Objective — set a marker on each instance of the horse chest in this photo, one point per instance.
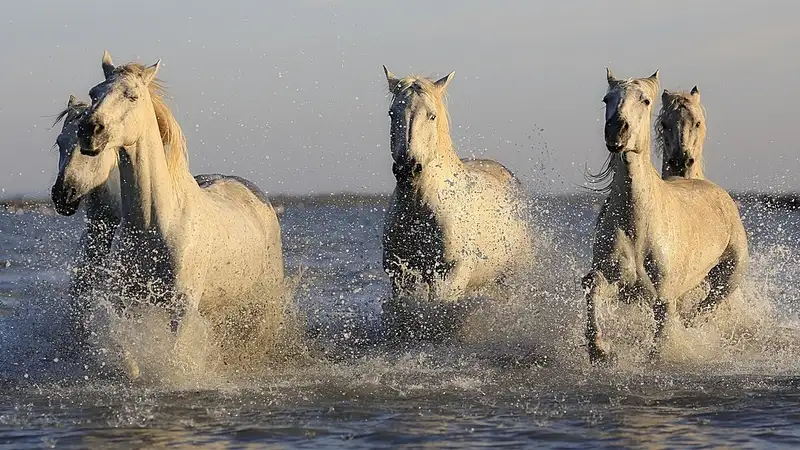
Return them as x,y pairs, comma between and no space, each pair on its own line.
633,260
413,239
146,258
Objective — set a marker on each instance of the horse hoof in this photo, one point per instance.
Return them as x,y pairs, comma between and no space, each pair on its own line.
600,354
132,368
603,359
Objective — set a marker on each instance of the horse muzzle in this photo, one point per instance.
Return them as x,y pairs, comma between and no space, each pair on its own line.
65,200
92,137
617,134
615,147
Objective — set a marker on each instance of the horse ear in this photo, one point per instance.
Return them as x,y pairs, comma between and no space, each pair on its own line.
654,76
150,73
391,79
610,76
72,100
665,94
108,65
442,83
695,91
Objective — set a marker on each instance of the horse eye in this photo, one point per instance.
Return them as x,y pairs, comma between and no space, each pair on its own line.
131,96
432,117
647,102
697,125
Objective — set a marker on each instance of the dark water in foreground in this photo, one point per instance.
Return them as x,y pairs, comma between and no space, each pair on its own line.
517,376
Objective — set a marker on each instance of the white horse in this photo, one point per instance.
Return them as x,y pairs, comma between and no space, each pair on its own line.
208,250
453,225
680,134
656,239
93,182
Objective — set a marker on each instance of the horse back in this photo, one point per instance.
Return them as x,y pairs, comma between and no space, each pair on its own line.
700,196
207,180
492,168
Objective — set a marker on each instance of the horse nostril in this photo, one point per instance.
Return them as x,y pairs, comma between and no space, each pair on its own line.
690,162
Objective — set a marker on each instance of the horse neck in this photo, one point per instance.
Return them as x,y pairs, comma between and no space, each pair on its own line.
441,174
635,180
105,201
103,205
665,167
696,171
151,195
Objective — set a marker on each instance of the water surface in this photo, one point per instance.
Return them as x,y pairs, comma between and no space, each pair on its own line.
516,375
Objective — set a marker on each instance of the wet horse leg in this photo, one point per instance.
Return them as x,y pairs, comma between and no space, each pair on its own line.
394,312
661,313
595,285
723,279
651,285
454,285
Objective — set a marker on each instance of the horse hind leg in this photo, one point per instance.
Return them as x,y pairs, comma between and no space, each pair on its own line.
594,285
723,279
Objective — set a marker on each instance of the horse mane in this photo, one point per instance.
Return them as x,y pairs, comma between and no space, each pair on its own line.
71,112
424,86
647,83
171,133
673,101
605,176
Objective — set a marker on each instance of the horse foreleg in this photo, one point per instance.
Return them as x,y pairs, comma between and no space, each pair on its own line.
662,311
723,279
394,312
184,302
454,285
594,284
95,245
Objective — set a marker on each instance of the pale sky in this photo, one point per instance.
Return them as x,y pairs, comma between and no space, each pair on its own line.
291,94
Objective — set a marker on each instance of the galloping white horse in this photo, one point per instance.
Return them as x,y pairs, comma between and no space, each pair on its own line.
656,239
454,225
210,249
680,134
93,182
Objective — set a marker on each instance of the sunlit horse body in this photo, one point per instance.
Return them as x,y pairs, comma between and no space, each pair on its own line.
680,134
453,225
93,182
200,249
656,239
